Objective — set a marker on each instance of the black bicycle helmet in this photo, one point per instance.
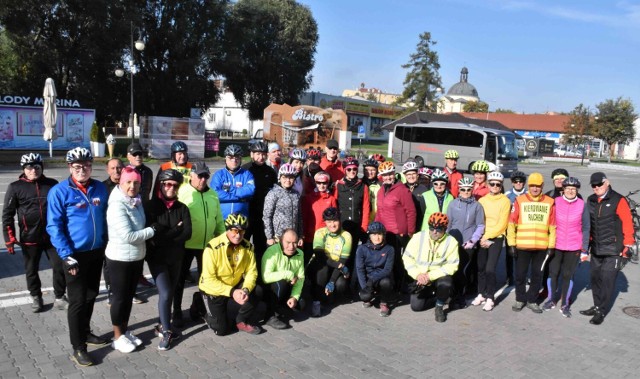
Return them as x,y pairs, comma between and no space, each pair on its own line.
519,175
259,147
376,228
571,182
170,174
331,214
559,171
179,147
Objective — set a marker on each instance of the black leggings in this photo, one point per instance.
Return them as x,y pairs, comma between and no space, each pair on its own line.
124,280
487,262
565,261
467,271
32,255
189,254
166,276
399,273
320,275
383,287
441,287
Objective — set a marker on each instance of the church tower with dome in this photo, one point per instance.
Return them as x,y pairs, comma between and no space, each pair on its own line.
458,95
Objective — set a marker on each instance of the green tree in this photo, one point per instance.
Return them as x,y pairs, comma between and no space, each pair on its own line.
270,47
8,62
615,122
423,79
500,110
476,106
579,129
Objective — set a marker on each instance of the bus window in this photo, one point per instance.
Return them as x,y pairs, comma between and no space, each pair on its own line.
490,152
507,148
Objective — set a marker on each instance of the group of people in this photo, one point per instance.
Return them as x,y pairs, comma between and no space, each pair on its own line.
303,234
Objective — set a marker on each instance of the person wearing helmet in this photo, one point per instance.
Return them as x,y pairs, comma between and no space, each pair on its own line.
165,251
370,178
206,223
450,168
229,274
612,238
274,156
283,276
572,242
264,178
353,202
397,212
179,162
297,158
282,207
328,269
313,204
518,180
425,176
311,168
378,158
410,172
135,155
76,223
431,259
27,199
330,162
496,212
480,169
558,176
374,269
438,198
466,225
234,185
314,156
531,235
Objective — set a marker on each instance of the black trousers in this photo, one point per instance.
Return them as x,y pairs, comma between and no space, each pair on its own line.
189,254
487,262
166,276
467,274
383,287
82,290
216,308
32,255
564,262
604,272
255,232
276,296
526,259
320,274
124,278
441,287
399,273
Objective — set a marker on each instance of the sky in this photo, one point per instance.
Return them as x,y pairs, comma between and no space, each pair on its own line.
524,55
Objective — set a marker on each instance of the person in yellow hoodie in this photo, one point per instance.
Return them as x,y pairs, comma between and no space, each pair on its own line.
496,207
531,236
431,258
229,272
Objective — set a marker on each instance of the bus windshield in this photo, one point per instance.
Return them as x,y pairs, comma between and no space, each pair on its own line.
507,148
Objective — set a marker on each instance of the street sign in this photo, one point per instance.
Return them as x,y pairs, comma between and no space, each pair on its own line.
532,145
361,132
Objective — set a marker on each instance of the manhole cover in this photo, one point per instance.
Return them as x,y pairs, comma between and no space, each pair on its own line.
632,311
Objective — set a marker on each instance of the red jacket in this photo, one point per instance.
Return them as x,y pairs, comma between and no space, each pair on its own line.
452,184
396,209
313,204
334,169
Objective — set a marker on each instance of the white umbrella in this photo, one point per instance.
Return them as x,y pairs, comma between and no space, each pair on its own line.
50,113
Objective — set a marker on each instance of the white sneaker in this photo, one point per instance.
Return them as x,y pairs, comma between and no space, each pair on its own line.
134,340
316,309
478,300
123,345
488,305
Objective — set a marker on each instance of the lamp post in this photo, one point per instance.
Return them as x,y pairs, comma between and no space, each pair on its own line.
139,45
586,136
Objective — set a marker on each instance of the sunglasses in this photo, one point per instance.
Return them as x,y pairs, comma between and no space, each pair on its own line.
465,189
170,185
351,169
33,167
236,231
597,185
322,183
332,148
234,157
517,181
494,184
204,176
438,184
439,230
136,154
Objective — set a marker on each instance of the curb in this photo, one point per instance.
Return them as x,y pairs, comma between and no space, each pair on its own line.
611,166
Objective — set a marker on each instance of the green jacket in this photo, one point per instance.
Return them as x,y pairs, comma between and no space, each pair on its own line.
206,215
432,206
276,266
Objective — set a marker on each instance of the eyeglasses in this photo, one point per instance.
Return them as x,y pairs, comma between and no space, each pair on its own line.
234,157
33,167
438,229
351,169
494,184
465,189
170,185
597,185
236,231
78,168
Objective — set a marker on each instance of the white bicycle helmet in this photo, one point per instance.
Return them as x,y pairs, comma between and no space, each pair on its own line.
79,154
409,166
31,159
495,175
287,169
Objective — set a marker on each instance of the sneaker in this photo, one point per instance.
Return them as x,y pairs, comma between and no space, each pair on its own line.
123,345
61,303
82,358
384,310
276,323
135,340
143,281
517,306
165,341
244,327
137,299
158,330
566,312
366,304
36,304
478,300
548,305
488,305
177,320
535,308
440,315
316,309
94,340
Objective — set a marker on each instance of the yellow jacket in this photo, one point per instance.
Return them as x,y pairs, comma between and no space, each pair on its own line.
532,223
218,277
496,214
437,258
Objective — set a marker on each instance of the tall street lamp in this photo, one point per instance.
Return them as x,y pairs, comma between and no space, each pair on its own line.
139,45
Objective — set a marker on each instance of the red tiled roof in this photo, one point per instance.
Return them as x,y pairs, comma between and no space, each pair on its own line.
528,122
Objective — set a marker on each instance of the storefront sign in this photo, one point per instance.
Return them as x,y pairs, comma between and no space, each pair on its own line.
36,101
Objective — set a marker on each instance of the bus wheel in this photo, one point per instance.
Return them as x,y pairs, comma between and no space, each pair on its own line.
419,160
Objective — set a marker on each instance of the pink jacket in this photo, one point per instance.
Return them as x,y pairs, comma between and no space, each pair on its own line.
396,210
572,224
